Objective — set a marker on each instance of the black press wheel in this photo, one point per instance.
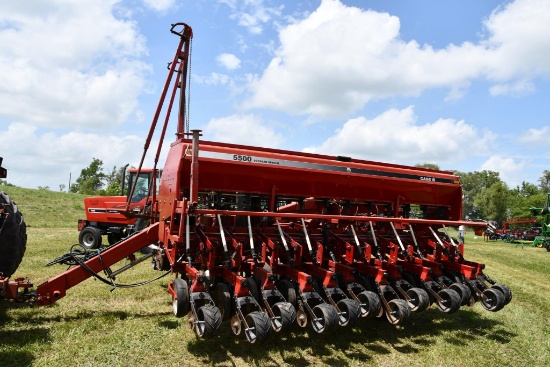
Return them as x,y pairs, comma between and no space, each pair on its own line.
90,238
492,300
222,298
507,292
287,290
450,301
419,299
259,327
370,304
208,322
463,291
326,318
284,316
399,311
181,303
350,310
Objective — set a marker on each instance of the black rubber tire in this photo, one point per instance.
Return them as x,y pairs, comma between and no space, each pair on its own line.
222,299
180,304
287,290
90,238
493,300
451,301
209,321
13,236
326,318
285,316
370,304
463,291
259,327
350,310
113,238
507,292
253,288
399,311
419,299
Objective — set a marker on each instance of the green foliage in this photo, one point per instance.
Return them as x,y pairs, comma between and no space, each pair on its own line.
428,165
494,201
544,182
92,180
473,184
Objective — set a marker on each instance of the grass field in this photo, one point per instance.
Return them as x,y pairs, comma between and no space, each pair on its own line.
93,326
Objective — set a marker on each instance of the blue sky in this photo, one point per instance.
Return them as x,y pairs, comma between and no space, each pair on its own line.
462,84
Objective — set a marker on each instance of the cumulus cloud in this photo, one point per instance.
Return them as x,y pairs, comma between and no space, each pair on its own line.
243,129
252,14
228,61
536,136
66,63
395,136
509,170
53,156
160,5
339,58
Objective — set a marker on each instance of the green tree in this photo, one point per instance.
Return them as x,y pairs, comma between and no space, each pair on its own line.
473,185
544,182
494,201
91,179
428,165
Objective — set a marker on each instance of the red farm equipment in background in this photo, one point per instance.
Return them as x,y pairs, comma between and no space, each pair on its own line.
104,214
267,239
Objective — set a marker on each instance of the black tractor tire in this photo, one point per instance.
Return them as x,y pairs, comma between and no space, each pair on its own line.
90,238
13,236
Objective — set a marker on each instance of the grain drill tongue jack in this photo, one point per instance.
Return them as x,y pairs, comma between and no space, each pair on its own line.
267,239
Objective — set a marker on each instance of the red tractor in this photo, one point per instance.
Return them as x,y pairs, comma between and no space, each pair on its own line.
267,239
104,213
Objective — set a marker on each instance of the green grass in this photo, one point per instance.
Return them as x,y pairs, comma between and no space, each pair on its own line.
92,326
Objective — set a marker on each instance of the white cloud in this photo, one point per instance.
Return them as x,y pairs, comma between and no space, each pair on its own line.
509,170
396,137
243,129
212,79
160,5
340,58
252,14
229,61
53,156
66,63
539,137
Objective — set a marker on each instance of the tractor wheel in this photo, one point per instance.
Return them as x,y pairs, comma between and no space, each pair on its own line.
13,236
113,238
285,316
326,318
420,300
90,238
209,320
450,301
349,311
463,291
370,304
181,303
288,291
492,300
259,327
222,298
399,311
507,292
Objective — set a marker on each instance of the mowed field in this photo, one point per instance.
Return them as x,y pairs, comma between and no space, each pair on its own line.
97,326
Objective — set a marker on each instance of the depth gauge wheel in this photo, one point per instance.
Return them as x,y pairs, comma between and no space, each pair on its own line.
326,318
285,316
420,300
492,300
349,311
370,304
463,291
222,299
288,291
13,236
181,303
505,291
450,301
